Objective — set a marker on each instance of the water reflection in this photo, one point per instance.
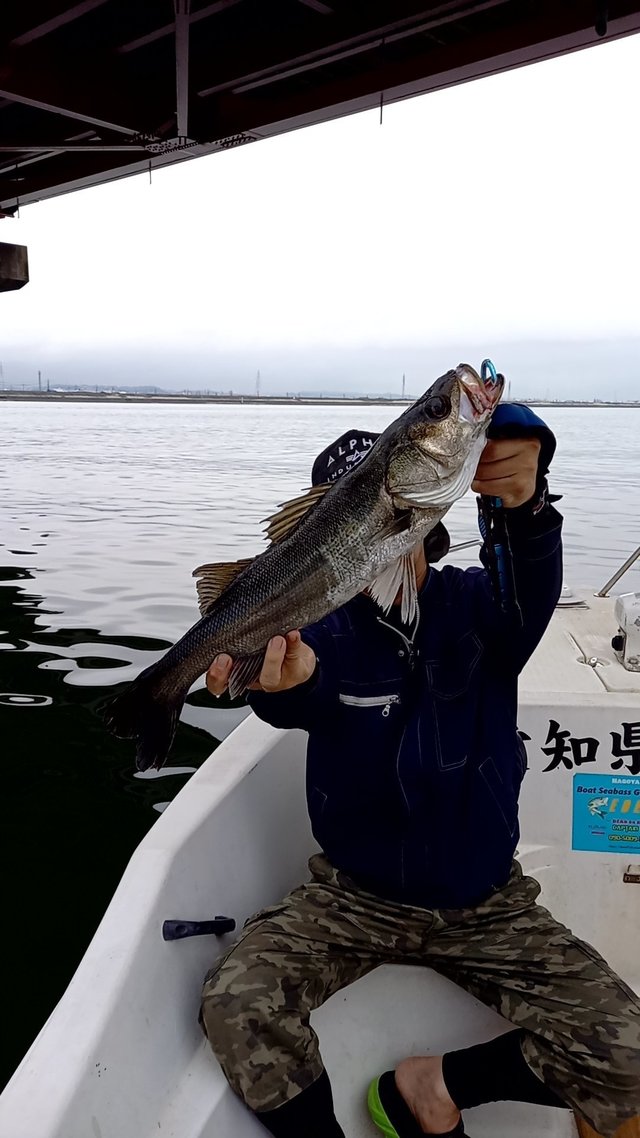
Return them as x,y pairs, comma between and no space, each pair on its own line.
12,700
74,809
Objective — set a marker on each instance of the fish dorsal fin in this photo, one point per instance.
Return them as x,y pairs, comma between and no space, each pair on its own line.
215,578
280,524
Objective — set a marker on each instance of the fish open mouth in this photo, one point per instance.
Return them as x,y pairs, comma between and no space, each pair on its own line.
478,398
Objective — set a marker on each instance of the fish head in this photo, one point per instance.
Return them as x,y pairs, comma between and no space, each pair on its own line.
440,439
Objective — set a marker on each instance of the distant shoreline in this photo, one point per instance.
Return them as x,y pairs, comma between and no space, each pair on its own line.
114,397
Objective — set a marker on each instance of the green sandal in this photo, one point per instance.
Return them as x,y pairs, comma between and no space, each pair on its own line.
391,1114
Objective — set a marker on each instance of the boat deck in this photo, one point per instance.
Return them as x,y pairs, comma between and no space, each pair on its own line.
575,657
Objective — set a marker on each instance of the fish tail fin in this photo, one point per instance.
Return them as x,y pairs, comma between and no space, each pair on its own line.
144,714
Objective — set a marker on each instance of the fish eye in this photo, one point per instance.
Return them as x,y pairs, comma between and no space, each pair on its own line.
439,406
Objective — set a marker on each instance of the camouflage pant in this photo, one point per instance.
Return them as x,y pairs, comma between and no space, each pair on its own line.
581,1022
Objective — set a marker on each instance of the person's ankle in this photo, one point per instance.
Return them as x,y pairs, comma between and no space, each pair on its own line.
421,1084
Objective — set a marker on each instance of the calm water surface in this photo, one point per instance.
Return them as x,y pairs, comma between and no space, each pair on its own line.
105,511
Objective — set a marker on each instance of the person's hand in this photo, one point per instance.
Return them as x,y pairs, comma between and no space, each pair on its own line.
508,469
288,662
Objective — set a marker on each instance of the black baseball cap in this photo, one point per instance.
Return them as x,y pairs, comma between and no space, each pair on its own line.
344,455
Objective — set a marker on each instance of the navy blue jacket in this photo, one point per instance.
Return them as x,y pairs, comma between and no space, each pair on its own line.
414,763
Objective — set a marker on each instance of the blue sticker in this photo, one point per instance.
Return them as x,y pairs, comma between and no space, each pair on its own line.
606,813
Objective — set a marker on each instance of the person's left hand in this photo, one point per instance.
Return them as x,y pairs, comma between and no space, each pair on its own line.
508,469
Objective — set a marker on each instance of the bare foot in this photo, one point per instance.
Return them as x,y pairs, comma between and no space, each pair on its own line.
423,1088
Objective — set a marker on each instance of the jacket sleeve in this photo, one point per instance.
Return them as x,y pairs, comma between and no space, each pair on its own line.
534,536
536,550
304,705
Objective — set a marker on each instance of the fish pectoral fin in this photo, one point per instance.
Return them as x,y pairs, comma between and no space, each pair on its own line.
244,672
279,525
215,578
400,523
401,574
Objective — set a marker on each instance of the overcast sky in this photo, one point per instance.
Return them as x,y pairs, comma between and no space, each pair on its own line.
499,211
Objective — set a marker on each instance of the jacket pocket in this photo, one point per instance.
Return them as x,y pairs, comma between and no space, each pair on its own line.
523,759
450,677
449,681
317,800
383,702
504,796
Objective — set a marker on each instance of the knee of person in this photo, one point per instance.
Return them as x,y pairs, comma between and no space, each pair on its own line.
623,1073
619,1075
224,1007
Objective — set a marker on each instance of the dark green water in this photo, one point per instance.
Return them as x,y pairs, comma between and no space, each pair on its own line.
73,812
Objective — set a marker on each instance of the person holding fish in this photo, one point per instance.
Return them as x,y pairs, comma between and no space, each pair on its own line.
405,678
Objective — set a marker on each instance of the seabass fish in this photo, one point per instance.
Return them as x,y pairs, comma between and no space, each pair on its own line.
326,547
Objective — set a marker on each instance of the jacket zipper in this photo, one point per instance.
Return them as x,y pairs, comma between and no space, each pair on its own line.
411,657
383,701
408,643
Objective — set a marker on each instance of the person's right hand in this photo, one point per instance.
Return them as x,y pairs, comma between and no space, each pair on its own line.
288,662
